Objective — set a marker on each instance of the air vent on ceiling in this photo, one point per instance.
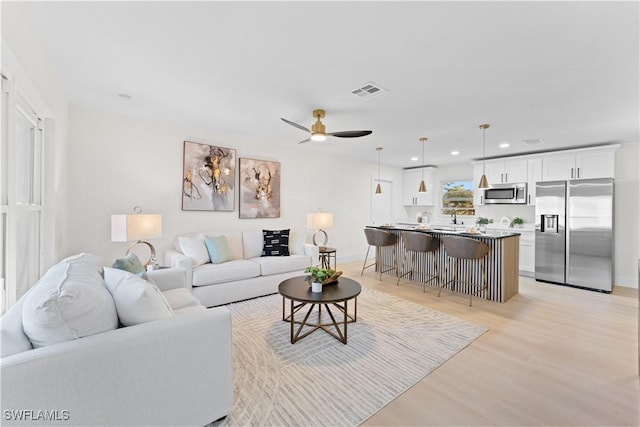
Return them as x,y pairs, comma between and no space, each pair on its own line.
368,90
532,141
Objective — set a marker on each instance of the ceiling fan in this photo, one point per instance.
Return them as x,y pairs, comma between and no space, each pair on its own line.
318,131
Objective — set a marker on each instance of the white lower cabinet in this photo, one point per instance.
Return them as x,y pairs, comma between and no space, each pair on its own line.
527,252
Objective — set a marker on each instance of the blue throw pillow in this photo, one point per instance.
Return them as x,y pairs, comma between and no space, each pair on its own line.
218,249
275,242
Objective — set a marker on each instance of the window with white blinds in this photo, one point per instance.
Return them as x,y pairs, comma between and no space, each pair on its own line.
21,184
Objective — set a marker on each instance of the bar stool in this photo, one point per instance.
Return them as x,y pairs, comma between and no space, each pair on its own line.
472,250
380,239
414,243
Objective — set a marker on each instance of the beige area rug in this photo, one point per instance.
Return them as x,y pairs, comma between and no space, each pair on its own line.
319,381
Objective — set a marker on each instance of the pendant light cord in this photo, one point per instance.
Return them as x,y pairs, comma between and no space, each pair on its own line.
423,159
484,142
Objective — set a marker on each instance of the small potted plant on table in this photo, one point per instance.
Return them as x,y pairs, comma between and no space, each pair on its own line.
319,276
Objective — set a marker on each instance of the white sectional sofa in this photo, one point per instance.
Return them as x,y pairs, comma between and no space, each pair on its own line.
248,274
168,372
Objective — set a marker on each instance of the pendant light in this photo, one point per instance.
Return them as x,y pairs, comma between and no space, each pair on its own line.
483,179
423,187
378,189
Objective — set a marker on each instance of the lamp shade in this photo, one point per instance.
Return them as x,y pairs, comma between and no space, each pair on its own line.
319,220
125,228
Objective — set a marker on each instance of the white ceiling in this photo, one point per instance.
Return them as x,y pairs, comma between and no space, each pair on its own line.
567,72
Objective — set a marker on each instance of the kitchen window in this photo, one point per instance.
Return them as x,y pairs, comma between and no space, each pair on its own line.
457,197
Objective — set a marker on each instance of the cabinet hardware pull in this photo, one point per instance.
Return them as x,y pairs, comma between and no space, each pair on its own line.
571,172
578,174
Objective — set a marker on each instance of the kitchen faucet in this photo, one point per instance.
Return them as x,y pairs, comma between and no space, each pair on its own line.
454,219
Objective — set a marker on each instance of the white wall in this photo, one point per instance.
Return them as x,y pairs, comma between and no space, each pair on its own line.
627,214
118,162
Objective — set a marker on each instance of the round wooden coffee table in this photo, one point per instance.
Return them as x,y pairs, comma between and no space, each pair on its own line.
298,291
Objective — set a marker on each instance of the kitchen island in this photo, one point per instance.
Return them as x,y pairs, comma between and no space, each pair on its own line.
502,260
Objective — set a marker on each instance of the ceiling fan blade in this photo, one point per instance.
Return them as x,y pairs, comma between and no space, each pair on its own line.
351,133
295,124
304,140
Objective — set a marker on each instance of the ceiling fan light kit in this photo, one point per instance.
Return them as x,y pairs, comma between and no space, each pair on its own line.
319,133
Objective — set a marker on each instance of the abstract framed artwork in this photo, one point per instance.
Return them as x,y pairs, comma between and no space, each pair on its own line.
208,178
259,188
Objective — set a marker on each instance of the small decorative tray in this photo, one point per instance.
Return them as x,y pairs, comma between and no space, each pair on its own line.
333,279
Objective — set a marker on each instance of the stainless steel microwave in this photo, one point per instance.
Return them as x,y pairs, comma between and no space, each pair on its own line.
506,194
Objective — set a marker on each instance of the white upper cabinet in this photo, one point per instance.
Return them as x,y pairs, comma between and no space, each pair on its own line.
506,171
534,175
592,163
411,183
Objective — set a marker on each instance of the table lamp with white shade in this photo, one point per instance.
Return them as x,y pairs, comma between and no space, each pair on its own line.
138,228
318,221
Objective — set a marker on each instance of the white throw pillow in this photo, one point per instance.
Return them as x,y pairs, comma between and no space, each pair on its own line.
137,301
297,239
70,301
195,249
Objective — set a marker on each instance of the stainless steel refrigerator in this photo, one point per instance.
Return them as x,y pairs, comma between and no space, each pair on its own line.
575,233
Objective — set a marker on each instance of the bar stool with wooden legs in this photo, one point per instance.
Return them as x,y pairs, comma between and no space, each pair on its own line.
380,239
472,251
419,243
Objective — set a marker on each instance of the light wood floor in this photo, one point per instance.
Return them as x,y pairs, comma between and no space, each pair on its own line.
553,356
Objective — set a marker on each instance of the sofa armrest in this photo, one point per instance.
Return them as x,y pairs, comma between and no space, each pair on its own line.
173,258
168,278
311,250
174,371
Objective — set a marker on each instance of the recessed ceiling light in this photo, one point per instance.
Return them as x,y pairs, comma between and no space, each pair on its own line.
414,159
455,152
504,145
124,96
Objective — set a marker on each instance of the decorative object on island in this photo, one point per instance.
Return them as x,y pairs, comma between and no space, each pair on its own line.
321,276
125,228
484,183
318,221
422,188
208,178
378,189
259,188
482,223
516,222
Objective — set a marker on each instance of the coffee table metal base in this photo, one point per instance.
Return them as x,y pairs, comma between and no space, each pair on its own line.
332,327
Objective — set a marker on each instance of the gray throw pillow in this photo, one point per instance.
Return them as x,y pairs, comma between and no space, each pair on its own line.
130,263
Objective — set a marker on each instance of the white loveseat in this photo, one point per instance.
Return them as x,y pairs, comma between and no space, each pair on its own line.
170,372
247,274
